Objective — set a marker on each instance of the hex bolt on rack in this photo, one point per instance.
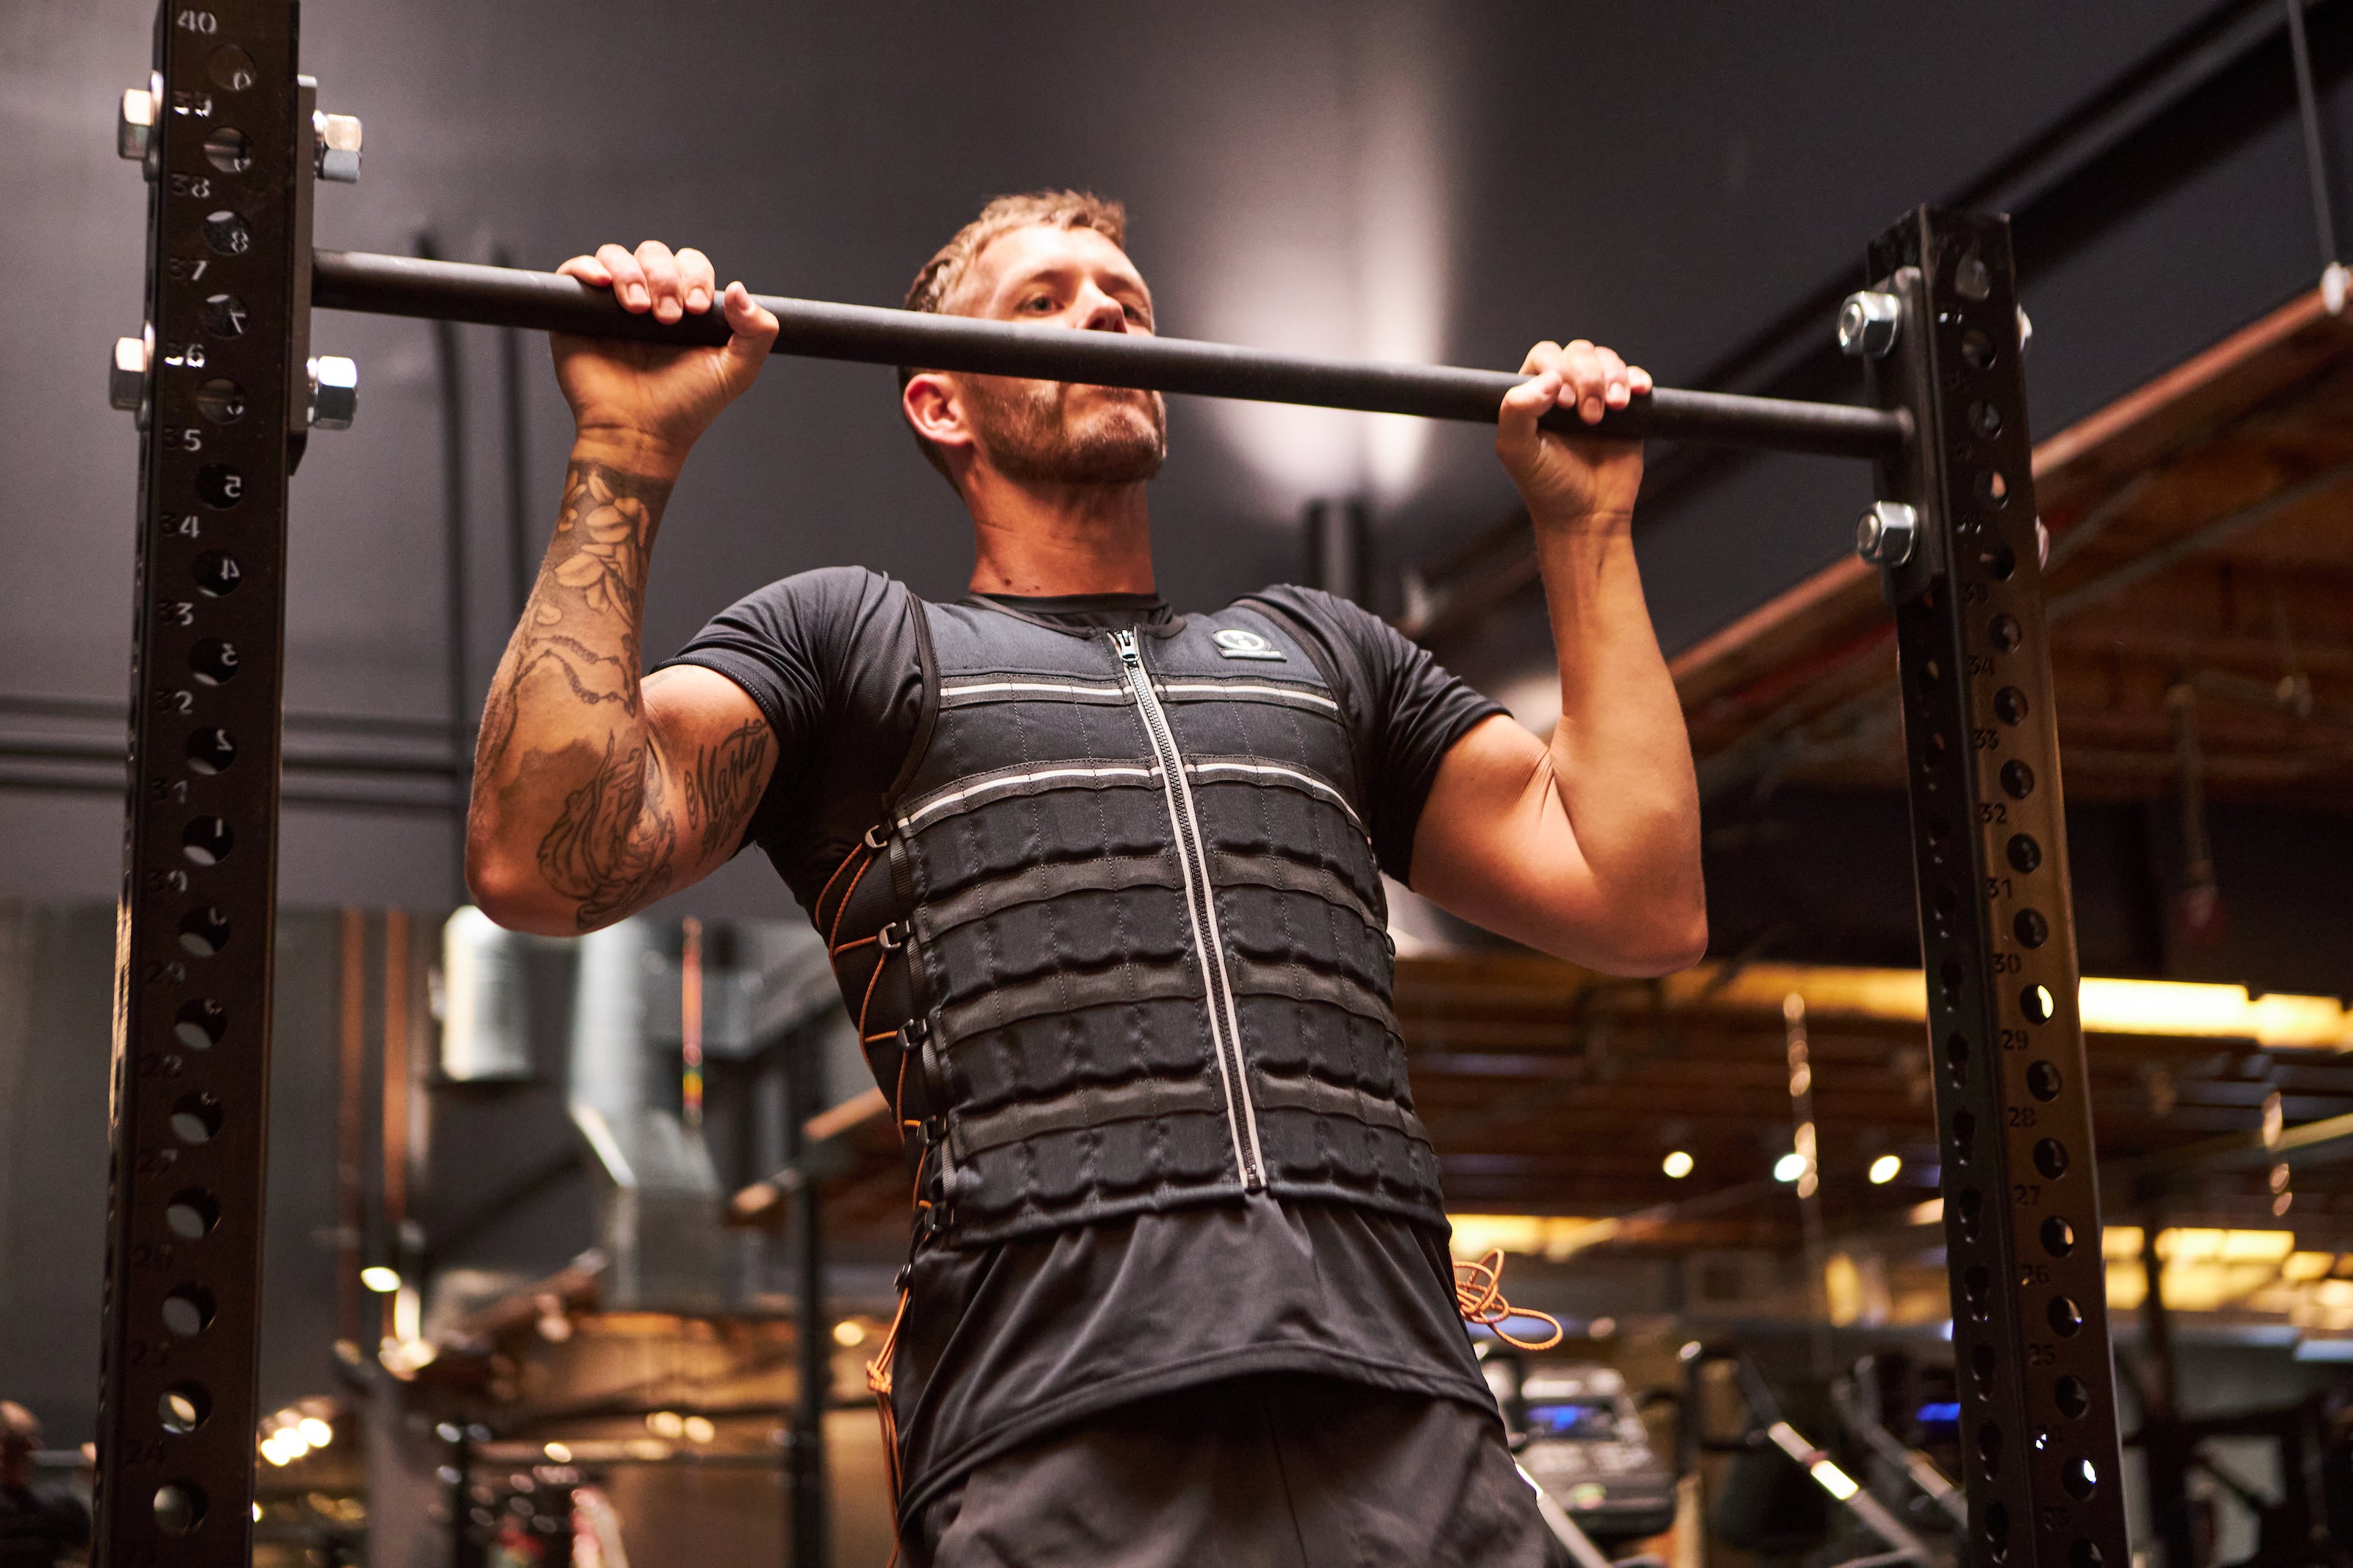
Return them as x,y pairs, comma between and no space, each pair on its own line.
226,390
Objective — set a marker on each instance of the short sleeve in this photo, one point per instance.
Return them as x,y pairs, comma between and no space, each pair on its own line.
1405,710
790,646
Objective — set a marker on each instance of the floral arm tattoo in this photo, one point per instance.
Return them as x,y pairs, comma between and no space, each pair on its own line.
565,725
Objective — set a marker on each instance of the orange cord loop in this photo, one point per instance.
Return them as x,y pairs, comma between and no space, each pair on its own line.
1479,1297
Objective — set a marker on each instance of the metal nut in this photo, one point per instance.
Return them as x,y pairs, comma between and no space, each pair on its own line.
338,139
134,128
1866,324
334,392
126,374
1886,536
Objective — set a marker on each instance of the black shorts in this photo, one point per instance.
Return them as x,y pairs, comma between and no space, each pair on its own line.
1282,1471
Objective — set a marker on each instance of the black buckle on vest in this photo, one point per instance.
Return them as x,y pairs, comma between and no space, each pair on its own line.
892,937
933,1130
877,838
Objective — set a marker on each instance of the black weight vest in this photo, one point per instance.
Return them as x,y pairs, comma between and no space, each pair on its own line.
1119,942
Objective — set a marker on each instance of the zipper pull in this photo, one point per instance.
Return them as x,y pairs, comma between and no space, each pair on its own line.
1125,642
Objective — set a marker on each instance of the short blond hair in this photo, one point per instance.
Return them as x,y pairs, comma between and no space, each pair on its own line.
935,286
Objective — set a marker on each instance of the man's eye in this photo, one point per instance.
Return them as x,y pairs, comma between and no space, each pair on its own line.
1041,304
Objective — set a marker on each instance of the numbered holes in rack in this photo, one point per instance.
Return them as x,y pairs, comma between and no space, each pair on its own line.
2009,705
206,840
1990,1447
2080,1478
220,486
231,69
2017,779
2083,1554
192,1213
2066,1318
214,661
1991,487
200,1023
2024,852
227,150
2042,1081
1977,1292
1983,1368
225,315
1965,1136
2000,562
2073,1395
179,1508
188,1311
1985,420
2051,1158
221,401
217,573
182,1408
227,232
1971,1210
1997,1531
2030,928
2037,1003
1957,1057
196,1118
203,931
2058,1237
211,752
2006,633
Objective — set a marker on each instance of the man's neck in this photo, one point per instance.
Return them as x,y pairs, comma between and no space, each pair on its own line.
1038,540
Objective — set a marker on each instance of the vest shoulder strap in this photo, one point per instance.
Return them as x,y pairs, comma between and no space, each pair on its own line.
1344,691
918,621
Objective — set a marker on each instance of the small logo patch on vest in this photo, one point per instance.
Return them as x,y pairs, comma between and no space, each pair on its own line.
1236,643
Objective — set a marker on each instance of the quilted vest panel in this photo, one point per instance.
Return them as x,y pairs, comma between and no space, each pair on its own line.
1120,944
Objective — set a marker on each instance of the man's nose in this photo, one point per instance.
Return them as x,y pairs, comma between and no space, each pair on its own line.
1099,312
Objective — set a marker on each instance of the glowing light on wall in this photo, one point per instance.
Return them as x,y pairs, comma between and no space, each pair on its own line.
1334,238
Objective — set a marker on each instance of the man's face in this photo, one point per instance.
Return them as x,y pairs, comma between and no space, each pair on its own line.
1055,431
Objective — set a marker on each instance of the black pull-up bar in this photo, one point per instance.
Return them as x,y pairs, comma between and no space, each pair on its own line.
549,301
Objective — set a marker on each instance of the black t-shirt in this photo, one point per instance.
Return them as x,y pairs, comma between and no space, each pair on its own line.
1004,1342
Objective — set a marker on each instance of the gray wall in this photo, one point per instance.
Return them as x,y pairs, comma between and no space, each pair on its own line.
1393,177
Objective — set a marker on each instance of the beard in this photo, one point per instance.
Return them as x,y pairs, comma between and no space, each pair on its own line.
1033,435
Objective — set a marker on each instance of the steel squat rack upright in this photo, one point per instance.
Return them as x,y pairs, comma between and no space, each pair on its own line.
227,392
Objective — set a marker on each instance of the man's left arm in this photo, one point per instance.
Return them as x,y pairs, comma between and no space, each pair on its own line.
1588,847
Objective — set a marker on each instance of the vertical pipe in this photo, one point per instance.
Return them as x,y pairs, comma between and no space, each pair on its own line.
451,369
350,1136
518,455
396,1103
2315,165
806,1452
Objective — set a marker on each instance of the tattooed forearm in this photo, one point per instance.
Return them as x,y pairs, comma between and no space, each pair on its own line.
720,786
566,757
610,849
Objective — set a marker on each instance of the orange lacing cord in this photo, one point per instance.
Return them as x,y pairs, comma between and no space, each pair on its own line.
819,906
833,937
878,1382
1479,1297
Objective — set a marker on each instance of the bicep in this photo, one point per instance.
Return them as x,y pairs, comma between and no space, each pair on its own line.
717,754
1494,844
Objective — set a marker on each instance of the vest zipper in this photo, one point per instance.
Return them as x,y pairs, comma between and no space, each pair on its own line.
1201,905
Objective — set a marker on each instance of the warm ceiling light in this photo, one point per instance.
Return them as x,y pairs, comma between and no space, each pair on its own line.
315,1432
1885,1170
381,1281
849,1333
698,1429
1790,1166
1677,1165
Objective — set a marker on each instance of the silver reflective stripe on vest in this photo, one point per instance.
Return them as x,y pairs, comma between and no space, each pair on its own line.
1201,904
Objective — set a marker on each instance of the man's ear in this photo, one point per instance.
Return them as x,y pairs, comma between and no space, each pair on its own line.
935,405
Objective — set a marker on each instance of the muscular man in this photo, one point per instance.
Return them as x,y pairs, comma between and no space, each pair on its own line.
1101,884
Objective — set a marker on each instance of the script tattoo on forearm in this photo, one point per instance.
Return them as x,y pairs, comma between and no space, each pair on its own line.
719,786
610,849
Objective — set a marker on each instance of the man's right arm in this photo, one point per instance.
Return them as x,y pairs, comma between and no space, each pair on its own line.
597,790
